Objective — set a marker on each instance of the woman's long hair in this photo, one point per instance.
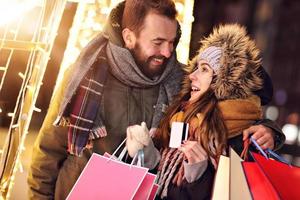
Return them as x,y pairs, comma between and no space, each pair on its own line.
212,126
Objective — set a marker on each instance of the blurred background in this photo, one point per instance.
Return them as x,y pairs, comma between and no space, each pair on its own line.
39,39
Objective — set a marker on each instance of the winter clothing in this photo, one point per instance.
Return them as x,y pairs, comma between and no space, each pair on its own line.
137,137
84,108
239,72
212,55
53,171
238,115
237,67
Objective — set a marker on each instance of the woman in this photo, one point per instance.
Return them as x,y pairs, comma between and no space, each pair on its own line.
218,104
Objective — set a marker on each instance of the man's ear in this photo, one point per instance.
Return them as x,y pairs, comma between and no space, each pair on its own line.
129,38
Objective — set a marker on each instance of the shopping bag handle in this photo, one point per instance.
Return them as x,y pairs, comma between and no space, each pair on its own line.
138,159
278,157
244,154
268,151
258,147
122,154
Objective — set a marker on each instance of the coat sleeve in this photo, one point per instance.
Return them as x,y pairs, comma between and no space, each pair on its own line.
49,152
278,135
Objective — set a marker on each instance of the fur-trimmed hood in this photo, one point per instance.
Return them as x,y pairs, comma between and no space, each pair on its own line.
238,75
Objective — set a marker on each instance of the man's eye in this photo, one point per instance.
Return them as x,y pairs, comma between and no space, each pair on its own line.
157,43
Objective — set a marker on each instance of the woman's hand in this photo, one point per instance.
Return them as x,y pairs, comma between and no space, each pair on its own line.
193,152
261,134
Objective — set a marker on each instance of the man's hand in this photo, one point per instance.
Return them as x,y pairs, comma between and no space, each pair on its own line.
261,134
193,151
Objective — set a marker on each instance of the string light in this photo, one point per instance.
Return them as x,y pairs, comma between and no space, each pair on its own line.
39,48
37,109
21,75
89,20
10,114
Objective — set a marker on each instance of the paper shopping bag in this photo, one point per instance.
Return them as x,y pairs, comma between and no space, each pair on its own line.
230,181
285,178
221,182
259,184
146,188
238,187
153,192
105,178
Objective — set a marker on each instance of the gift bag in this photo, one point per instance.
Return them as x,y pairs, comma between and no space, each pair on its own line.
106,177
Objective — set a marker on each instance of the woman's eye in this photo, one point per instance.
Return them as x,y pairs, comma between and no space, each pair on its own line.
204,69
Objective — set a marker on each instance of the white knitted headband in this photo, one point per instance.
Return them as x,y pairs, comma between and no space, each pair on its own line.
212,55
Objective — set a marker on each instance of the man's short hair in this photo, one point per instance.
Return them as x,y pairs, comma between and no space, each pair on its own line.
135,12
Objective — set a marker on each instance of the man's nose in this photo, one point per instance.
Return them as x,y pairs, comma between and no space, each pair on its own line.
166,50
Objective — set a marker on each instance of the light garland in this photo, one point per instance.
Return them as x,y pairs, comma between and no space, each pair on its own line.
39,48
88,21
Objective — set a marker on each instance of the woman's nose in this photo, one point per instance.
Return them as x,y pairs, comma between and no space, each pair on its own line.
192,75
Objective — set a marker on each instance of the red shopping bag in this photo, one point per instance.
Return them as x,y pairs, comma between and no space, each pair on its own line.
284,178
106,178
258,182
271,179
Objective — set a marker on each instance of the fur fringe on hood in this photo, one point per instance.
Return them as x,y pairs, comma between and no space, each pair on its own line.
238,74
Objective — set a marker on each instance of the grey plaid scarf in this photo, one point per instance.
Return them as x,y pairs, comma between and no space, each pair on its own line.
123,67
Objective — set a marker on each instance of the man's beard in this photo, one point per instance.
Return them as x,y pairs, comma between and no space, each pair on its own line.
144,63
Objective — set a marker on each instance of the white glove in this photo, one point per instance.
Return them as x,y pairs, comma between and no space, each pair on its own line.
137,137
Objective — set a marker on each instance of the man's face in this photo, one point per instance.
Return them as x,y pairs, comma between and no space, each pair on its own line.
154,44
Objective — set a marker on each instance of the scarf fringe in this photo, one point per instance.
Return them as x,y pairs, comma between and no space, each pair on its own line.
98,132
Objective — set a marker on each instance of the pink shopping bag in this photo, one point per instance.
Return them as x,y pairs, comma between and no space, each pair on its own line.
105,178
147,187
153,192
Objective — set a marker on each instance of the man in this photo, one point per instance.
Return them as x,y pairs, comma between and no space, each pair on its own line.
126,75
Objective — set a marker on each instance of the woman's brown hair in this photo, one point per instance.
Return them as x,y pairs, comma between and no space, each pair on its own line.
212,126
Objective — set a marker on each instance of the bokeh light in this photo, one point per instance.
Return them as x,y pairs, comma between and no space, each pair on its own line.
291,133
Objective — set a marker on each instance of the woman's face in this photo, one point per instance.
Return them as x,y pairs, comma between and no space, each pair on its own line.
200,80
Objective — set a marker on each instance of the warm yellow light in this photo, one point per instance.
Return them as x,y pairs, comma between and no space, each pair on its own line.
10,114
13,9
21,75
